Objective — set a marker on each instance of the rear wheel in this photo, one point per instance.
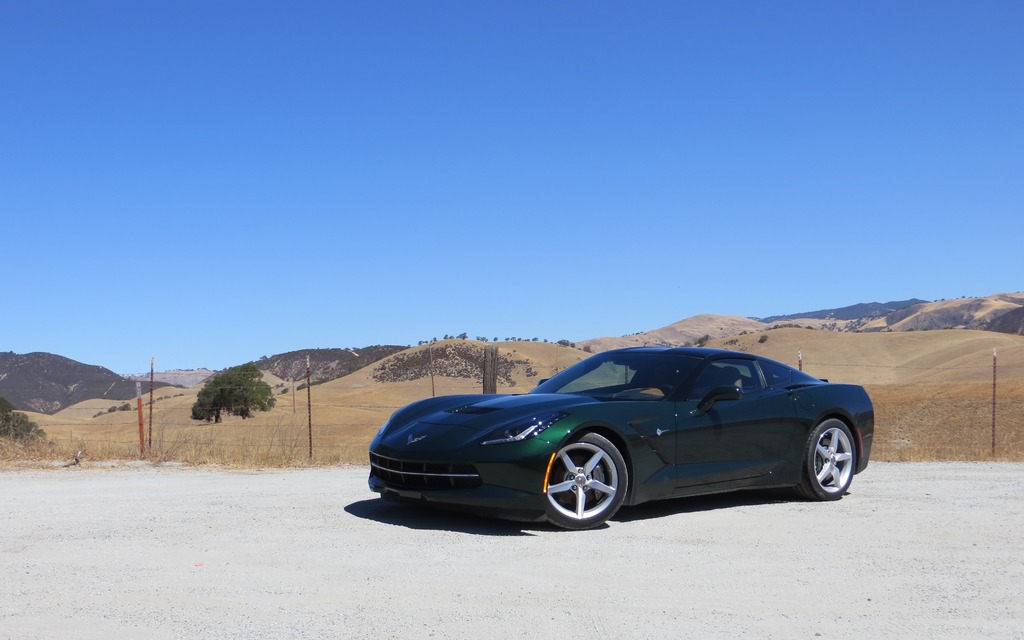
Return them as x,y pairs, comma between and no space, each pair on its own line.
829,462
587,483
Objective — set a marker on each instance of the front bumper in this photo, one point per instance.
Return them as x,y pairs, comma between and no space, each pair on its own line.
511,487
493,501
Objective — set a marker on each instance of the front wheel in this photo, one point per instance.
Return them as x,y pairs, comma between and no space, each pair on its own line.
829,462
586,484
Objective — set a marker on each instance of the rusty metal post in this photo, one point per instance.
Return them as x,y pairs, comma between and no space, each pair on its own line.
142,434
151,362
309,407
994,368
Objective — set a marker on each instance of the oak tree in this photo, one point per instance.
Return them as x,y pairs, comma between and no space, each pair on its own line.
238,391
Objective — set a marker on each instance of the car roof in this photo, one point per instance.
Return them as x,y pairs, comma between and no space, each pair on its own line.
711,354
698,352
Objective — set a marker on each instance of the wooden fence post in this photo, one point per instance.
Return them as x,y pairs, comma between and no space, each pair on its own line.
491,368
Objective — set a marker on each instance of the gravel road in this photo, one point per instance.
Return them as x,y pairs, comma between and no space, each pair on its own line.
134,551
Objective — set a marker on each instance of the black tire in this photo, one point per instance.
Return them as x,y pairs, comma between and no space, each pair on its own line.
829,462
587,483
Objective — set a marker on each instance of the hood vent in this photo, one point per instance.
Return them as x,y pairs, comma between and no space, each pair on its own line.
473,410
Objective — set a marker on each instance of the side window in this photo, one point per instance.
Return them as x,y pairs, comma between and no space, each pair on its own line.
776,375
727,373
609,374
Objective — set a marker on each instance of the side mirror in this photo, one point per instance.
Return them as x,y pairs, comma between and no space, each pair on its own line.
719,394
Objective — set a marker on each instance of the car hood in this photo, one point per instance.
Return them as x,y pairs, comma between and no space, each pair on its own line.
460,420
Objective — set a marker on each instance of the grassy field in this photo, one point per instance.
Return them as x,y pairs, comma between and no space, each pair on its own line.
932,393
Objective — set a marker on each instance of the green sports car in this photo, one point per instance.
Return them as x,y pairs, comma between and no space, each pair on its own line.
624,427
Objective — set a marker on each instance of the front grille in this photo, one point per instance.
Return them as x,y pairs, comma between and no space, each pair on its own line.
424,475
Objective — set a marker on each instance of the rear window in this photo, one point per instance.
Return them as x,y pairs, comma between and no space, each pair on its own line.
778,375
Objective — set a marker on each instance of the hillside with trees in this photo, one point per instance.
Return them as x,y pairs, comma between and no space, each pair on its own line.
324,364
449,360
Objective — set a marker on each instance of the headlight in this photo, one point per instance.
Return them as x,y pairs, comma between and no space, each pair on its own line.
529,428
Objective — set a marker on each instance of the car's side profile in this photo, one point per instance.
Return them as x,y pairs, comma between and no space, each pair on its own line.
625,427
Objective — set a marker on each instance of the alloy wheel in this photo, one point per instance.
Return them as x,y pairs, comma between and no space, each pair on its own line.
585,482
833,460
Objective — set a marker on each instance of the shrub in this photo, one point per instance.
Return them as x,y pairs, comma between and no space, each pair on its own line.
16,425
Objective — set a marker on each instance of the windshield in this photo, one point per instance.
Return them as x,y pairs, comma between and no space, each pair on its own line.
632,375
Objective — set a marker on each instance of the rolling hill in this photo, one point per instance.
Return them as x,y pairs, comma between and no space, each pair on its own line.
47,384
1010,322
963,313
932,392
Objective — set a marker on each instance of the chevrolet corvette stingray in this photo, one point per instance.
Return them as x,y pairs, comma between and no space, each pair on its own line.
625,427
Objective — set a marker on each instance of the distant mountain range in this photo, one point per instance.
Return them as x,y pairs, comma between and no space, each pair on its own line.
175,377
985,314
46,383
852,312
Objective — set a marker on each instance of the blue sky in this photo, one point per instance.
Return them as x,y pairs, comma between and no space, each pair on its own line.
210,182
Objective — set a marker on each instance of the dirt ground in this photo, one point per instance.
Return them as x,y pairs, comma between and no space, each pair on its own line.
916,550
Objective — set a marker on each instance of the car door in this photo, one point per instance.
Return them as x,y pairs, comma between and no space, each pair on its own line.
734,440
654,447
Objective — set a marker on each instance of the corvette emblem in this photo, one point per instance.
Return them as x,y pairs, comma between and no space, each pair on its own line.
413,438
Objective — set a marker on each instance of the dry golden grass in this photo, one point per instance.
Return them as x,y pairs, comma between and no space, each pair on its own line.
932,393
346,413
948,422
